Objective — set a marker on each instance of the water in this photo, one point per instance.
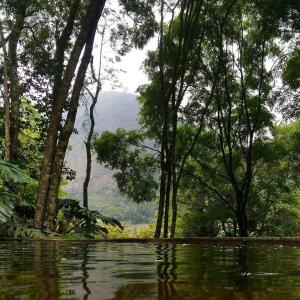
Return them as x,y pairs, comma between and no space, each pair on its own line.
65,270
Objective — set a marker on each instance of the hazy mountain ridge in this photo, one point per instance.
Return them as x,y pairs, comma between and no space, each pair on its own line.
113,110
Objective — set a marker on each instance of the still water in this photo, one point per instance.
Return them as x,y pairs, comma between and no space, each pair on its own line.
62,270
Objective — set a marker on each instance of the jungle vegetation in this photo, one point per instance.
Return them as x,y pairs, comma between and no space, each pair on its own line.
219,138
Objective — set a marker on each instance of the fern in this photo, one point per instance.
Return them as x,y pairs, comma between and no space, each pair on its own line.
87,221
10,172
6,210
18,231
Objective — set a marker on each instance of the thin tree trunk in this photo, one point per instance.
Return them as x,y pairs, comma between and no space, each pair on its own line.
162,192
88,153
163,175
174,210
241,216
61,92
175,181
88,142
5,94
15,90
168,194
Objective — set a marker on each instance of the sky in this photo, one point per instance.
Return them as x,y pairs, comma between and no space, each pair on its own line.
134,76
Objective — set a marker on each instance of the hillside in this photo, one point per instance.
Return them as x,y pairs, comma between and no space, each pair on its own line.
114,110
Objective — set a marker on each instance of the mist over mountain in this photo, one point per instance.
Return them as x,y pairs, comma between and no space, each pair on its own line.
114,110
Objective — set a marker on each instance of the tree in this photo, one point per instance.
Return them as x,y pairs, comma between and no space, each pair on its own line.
207,198
99,74
88,143
12,90
135,163
174,74
56,147
88,31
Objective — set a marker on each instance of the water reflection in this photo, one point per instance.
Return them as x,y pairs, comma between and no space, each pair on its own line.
46,281
166,271
52,270
85,274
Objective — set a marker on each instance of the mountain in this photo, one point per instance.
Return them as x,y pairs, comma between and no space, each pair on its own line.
113,110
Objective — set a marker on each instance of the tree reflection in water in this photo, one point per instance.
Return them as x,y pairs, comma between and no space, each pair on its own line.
79,270
166,271
85,274
46,270
164,288
47,264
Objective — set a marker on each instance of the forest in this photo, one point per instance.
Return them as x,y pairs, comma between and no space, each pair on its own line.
218,143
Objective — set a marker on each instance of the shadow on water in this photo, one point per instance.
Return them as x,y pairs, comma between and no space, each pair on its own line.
53,270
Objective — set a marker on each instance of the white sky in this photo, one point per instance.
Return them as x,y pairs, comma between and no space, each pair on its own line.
133,76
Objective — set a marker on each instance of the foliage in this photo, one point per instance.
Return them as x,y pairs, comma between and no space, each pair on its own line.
195,224
219,70
135,167
17,231
10,174
290,72
117,233
146,231
274,203
72,218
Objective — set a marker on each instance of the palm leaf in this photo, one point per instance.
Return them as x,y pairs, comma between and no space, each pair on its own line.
18,231
10,172
6,209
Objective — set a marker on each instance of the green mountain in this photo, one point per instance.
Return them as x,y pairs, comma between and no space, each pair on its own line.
114,110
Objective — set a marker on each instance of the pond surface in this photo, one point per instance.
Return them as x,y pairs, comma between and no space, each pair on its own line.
69,270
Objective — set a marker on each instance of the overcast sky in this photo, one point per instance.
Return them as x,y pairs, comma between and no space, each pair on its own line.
131,64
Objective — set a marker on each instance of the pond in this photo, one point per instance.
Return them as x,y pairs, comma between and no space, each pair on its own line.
121,271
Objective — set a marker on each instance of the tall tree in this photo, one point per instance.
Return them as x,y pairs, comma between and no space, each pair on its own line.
55,153
6,101
12,90
96,77
62,87
174,73
242,115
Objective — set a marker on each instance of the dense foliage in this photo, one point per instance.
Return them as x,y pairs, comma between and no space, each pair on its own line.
217,149
220,71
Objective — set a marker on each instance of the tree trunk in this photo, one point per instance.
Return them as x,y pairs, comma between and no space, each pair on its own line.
56,172
88,152
7,140
87,175
55,180
168,193
163,171
12,94
5,94
61,92
174,210
175,179
241,216
15,90
162,192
